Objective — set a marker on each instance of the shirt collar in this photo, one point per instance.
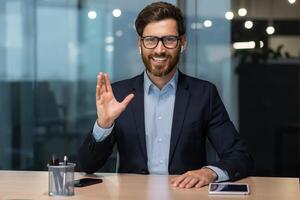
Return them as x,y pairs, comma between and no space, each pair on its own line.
148,83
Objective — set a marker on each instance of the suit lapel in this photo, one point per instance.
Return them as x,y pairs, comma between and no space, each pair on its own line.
181,103
138,112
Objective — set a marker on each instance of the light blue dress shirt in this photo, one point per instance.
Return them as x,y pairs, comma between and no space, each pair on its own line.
159,107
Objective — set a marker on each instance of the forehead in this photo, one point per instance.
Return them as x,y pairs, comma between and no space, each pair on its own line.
161,28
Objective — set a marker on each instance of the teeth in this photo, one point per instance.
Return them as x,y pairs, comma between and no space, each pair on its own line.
159,59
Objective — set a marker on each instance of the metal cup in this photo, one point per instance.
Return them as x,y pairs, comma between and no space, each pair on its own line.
61,179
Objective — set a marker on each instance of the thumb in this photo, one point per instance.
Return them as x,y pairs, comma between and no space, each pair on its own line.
127,99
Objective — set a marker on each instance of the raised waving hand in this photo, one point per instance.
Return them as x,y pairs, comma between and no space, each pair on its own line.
108,108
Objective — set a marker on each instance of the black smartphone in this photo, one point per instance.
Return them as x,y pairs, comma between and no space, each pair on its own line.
86,182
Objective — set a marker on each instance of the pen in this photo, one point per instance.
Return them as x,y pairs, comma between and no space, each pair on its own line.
54,161
64,178
65,160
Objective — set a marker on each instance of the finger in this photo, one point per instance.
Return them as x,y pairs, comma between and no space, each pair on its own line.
173,180
99,82
98,86
185,182
103,84
200,184
192,183
108,84
178,180
127,99
97,92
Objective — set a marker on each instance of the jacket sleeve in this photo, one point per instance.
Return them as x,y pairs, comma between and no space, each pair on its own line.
231,149
93,155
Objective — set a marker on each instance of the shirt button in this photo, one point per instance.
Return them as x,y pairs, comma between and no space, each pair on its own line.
159,117
161,161
160,140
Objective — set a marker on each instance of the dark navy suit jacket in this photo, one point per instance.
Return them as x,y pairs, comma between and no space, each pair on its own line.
198,113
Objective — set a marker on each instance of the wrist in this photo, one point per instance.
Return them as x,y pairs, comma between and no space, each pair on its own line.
104,124
212,173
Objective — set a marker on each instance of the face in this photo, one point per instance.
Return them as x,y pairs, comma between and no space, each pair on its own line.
161,61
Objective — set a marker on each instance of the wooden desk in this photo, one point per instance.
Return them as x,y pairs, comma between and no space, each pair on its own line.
34,185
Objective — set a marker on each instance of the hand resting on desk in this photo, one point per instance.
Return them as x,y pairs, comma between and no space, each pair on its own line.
195,178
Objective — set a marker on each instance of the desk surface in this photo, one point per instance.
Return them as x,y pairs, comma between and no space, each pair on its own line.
34,185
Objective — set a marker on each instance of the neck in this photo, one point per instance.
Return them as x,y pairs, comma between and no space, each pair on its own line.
160,82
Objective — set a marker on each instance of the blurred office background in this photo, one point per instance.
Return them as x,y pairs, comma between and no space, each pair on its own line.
52,50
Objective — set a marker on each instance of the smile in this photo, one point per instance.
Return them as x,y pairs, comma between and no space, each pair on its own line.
159,59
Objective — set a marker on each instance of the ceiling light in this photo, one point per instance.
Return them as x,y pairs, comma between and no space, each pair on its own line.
244,45
207,23
248,24
292,1
242,12
261,44
229,15
92,14
109,39
196,25
116,12
193,25
199,25
270,30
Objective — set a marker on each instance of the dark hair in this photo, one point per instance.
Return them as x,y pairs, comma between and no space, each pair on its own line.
159,11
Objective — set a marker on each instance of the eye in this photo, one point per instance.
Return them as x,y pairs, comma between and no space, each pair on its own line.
170,39
150,39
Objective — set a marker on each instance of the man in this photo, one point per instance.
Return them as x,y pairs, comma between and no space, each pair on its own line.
161,118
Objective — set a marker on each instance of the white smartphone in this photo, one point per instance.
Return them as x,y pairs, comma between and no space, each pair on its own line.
228,188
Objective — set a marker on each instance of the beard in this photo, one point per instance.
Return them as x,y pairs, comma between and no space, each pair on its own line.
164,68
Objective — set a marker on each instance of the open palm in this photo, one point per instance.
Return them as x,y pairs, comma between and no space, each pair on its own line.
108,108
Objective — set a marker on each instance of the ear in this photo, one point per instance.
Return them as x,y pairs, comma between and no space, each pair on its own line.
183,43
139,43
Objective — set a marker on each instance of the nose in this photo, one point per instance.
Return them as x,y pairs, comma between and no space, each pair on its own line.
160,48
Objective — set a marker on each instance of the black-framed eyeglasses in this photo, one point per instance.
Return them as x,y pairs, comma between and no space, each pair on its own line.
169,41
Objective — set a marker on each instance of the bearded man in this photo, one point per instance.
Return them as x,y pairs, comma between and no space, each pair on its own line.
161,118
